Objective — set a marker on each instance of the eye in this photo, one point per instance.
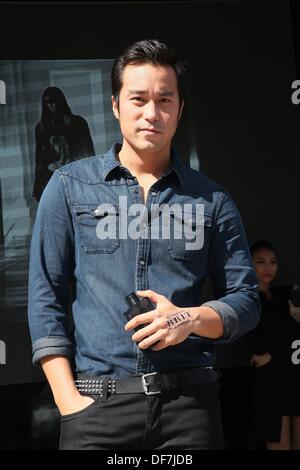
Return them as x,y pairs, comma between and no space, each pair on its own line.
137,98
165,100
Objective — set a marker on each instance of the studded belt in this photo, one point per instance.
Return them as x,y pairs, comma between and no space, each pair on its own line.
150,384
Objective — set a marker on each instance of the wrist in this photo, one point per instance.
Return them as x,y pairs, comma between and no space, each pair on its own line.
66,397
195,323
206,322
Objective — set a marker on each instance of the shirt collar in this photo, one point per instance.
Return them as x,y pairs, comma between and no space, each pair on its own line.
111,162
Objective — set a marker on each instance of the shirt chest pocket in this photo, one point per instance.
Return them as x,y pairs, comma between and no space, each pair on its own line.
189,234
98,227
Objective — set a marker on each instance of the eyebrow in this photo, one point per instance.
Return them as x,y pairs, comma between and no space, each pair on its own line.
143,92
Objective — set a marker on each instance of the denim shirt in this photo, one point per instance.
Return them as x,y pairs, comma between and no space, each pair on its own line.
69,255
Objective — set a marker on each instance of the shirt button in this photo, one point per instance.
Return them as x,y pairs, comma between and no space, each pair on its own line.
142,262
144,225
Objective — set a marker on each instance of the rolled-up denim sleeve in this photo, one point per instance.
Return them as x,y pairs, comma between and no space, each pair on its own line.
51,268
232,274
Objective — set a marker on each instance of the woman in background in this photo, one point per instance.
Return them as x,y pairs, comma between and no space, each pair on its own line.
60,138
276,422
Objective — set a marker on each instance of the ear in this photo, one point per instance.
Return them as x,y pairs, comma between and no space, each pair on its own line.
115,107
180,111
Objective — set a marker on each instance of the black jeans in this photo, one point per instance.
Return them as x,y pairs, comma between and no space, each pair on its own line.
185,418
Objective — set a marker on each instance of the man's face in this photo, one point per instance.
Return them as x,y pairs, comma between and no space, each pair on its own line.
148,107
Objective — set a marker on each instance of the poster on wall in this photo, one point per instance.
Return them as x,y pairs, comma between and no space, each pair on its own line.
52,113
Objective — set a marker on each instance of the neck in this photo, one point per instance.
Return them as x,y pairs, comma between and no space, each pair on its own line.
264,287
144,162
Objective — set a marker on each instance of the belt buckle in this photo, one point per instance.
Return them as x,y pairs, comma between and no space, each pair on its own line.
146,385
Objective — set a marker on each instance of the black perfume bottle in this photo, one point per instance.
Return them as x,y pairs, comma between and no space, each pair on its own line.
137,305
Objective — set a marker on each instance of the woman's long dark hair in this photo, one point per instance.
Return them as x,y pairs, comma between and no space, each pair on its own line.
64,112
262,245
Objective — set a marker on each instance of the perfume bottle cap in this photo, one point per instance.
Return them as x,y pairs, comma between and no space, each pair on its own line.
132,299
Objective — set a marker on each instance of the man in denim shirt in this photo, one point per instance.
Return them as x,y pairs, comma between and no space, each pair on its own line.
138,220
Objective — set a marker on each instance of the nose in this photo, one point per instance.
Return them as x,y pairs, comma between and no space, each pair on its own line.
151,111
52,107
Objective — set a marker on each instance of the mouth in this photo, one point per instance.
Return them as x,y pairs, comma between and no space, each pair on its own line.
150,131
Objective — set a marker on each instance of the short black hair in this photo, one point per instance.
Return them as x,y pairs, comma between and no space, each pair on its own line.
148,51
262,245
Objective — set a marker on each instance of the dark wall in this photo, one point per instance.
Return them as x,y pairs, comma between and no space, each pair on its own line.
242,65
248,127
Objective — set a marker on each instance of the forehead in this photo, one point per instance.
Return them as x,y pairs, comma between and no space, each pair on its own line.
49,98
264,253
144,76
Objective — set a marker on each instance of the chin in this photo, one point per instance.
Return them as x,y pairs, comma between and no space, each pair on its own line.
150,146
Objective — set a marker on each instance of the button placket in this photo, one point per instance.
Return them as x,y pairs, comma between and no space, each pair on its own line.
143,365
